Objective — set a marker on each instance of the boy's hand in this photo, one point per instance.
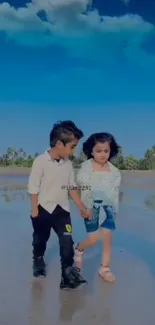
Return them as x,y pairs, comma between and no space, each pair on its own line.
34,205
35,212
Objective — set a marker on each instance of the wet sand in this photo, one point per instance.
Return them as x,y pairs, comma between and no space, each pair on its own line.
16,178
25,171
14,171
26,301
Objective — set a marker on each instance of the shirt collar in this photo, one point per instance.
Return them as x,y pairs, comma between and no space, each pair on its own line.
49,158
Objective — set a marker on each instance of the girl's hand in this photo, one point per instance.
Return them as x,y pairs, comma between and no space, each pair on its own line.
86,213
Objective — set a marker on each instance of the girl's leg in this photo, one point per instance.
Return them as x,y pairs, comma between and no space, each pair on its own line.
104,270
107,246
91,240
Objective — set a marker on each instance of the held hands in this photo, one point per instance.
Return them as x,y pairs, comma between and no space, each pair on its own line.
86,213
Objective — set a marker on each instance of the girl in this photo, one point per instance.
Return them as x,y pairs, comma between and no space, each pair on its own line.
100,181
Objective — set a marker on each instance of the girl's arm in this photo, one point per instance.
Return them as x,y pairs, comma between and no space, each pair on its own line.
84,184
117,183
75,194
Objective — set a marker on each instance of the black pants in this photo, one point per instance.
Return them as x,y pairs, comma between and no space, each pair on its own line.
59,220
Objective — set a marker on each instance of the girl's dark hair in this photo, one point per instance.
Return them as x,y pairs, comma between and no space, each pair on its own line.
100,138
64,131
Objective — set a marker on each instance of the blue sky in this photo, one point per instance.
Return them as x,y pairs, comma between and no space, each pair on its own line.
59,60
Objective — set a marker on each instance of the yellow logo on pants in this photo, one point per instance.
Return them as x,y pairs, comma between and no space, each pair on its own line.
69,228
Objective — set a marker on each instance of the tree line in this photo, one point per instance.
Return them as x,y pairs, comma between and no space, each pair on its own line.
18,157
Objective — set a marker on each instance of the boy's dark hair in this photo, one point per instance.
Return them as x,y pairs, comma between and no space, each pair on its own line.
100,138
64,131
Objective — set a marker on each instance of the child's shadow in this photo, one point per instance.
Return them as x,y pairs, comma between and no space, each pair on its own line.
92,260
71,303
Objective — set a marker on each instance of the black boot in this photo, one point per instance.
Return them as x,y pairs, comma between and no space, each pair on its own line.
79,278
39,268
71,279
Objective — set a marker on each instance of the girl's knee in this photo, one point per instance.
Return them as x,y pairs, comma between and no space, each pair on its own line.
94,238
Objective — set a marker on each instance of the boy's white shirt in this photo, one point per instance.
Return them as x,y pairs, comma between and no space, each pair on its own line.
51,181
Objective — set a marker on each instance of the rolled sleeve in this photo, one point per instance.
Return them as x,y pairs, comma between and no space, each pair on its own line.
35,177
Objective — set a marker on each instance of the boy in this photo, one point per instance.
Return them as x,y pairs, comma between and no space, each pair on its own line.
51,178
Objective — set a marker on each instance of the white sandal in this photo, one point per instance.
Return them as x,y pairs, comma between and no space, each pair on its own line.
106,274
78,257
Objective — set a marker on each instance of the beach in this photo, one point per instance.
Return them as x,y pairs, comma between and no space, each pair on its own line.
14,171
26,301
77,80
25,171
11,175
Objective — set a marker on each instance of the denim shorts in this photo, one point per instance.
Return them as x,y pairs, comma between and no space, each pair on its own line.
103,217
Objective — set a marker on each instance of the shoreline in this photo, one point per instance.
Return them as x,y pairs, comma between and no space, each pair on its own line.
25,171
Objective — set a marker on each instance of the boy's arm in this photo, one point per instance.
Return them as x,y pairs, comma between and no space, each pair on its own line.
34,185
75,195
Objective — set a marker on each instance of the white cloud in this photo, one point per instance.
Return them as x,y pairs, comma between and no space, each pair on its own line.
66,24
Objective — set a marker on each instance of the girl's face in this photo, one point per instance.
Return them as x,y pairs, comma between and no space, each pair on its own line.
101,152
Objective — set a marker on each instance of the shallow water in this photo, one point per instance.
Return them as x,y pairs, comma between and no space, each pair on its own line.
26,301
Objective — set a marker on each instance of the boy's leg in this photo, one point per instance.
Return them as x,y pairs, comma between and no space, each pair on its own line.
63,228
41,226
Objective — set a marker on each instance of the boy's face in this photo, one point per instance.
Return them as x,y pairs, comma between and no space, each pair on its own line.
67,150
